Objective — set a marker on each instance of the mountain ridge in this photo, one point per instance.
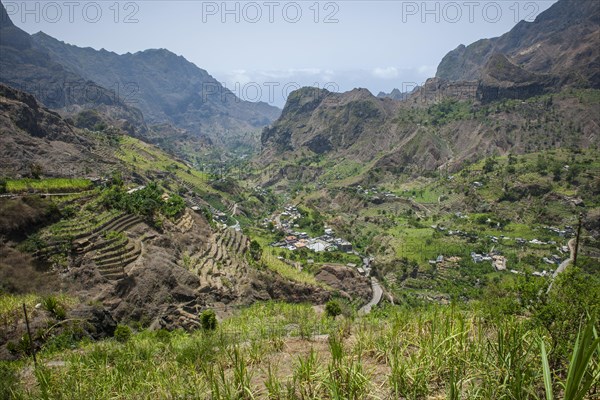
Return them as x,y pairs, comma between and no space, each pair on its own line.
153,86
30,69
166,87
507,107
562,41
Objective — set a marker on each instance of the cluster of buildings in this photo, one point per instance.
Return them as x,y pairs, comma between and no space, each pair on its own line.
497,239
498,260
534,241
259,190
294,240
217,216
287,219
456,232
553,259
374,191
567,232
543,273
327,242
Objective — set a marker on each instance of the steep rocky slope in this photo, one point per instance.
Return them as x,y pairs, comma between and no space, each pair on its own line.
562,41
510,94
166,87
31,69
34,135
322,134
155,85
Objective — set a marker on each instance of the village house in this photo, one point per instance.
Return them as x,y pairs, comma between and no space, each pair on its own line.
499,262
344,245
317,246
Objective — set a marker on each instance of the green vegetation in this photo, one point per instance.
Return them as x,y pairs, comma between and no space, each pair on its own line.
255,250
146,202
269,350
333,308
173,207
501,335
143,157
311,221
53,306
208,320
122,333
497,204
11,305
581,374
287,271
48,185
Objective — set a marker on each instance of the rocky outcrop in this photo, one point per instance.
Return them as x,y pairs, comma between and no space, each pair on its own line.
502,79
325,122
33,135
98,322
347,280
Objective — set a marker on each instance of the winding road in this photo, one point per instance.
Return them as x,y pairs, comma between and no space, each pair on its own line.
236,226
563,265
377,294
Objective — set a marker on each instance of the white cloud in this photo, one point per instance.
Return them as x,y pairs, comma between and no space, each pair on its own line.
385,73
290,72
238,76
427,70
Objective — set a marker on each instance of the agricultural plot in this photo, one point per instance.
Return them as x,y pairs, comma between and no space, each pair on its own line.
47,185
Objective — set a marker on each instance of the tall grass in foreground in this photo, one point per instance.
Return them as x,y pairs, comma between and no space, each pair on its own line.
583,371
11,306
394,353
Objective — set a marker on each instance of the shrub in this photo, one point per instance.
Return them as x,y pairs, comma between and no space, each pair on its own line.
163,336
333,308
255,250
88,119
122,333
21,346
53,306
146,202
174,206
208,320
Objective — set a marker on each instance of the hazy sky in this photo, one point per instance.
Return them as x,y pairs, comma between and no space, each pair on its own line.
264,49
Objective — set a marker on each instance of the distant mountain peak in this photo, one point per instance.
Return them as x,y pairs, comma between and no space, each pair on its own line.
395,94
5,20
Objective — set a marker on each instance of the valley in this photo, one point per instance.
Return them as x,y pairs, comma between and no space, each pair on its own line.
437,244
